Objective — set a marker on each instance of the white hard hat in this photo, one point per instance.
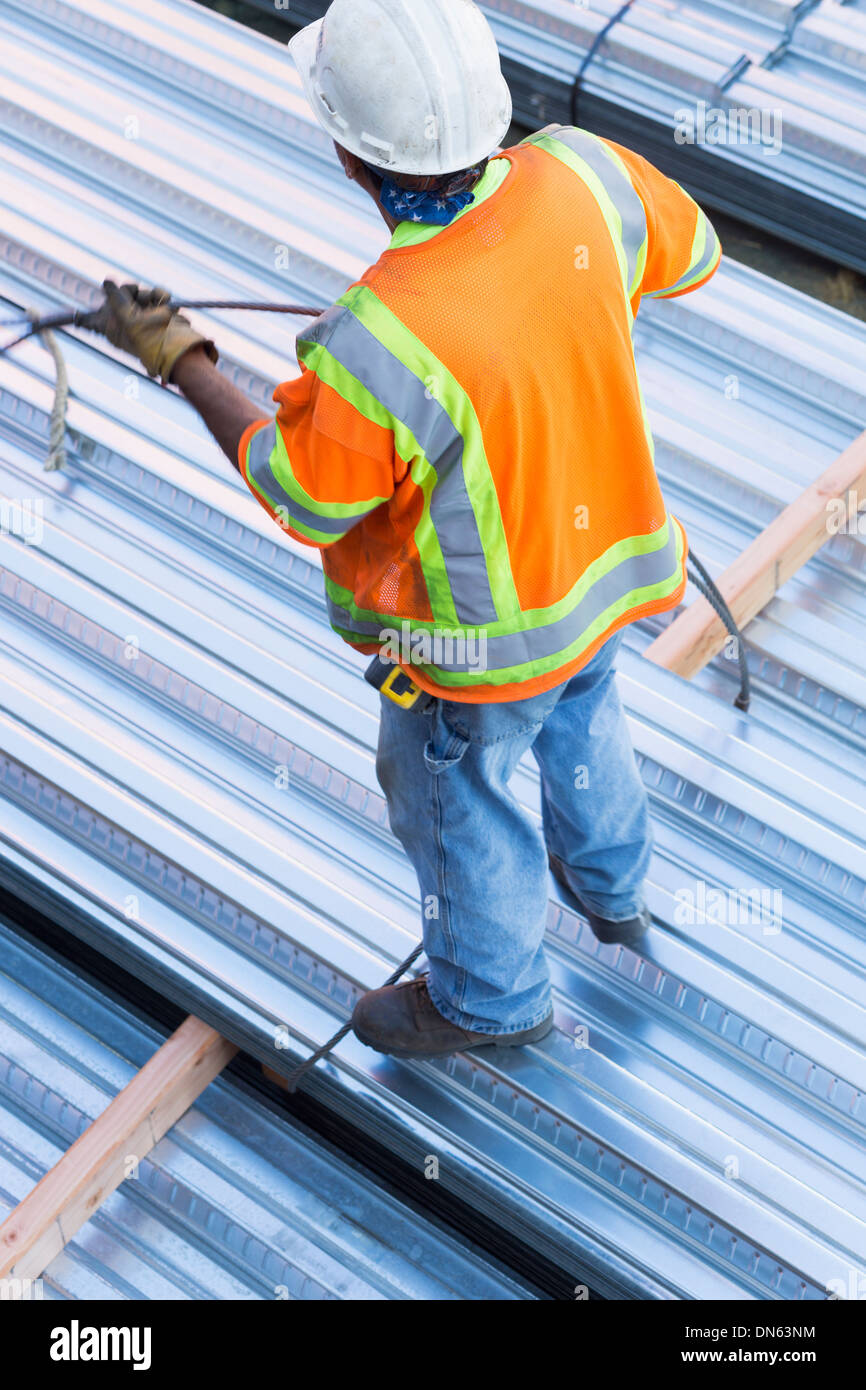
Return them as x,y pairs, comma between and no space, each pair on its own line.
412,86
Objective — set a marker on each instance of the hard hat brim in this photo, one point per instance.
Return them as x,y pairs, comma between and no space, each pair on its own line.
303,48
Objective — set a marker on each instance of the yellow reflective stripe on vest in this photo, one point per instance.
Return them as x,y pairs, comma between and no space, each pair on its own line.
705,255
269,470
369,346
633,572
623,211
606,177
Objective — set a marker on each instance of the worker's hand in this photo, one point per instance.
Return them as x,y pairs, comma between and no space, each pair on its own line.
139,321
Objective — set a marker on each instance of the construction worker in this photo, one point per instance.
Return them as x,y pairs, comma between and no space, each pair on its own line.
468,447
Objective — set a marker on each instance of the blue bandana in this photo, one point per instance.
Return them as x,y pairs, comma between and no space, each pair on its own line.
407,206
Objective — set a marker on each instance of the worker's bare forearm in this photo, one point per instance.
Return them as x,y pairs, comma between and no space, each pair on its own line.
224,409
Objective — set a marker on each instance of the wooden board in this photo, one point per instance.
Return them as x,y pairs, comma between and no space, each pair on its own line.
747,585
70,1192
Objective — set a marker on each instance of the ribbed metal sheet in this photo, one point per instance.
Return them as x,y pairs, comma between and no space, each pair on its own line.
801,68
173,670
231,1204
797,168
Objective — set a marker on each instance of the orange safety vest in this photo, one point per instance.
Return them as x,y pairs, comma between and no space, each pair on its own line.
467,442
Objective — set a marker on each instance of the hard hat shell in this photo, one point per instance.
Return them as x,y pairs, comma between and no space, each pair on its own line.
412,86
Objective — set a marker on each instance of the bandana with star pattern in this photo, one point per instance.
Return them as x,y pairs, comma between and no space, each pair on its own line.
439,207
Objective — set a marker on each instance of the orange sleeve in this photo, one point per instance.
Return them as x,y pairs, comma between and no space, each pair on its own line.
320,466
683,250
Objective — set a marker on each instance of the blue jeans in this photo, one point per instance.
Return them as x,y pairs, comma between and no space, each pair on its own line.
480,858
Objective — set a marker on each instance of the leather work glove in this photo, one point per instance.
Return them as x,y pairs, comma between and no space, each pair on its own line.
140,321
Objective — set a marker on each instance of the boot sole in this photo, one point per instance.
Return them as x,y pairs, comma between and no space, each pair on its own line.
534,1035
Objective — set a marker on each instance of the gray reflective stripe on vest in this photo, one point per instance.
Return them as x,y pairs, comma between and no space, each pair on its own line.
617,185
405,397
261,447
534,644
700,267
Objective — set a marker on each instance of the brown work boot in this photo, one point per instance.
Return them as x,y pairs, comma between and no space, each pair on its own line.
403,1021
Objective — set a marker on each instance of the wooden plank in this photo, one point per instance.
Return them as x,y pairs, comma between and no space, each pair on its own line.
70,1192
747,585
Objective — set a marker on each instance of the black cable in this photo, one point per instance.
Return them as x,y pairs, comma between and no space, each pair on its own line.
704,582
700,577
590,54
78,318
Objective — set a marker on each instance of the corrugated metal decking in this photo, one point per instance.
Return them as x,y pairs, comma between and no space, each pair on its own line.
231,1204
188,750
